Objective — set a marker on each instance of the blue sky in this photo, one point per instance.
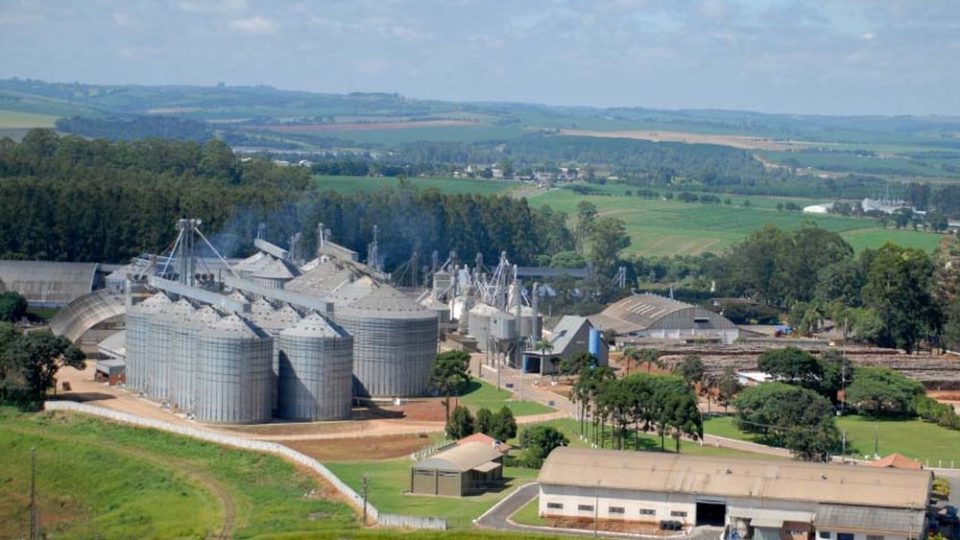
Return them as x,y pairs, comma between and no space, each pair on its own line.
832,57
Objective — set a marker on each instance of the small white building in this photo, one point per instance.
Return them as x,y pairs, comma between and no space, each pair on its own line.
749,498
818,208
753,378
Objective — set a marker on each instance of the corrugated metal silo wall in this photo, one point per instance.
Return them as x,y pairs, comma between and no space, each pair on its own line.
137,326
233,379
159,372
316,377
183,345
391,356
479,328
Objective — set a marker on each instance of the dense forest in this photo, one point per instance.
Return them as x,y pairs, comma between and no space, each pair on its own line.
136,127
67,198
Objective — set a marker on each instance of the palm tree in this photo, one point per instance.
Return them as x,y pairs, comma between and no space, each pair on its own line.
631,354
543,347
652,358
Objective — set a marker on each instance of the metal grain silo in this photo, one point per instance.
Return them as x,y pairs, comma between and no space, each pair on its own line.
161,357
440,308
233,373
273,321
530,322
316,371
394,343
138,329
274,274
478,325
504,326
184,344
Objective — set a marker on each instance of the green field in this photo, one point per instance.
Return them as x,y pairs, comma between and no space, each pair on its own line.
97,479
23,120
453,186
916,439
660,227
483,394
390,479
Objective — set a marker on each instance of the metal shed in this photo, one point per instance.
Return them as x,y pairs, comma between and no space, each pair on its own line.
659,317
462,470
48,283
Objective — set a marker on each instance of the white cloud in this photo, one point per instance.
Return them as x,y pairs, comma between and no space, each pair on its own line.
868,36
257,26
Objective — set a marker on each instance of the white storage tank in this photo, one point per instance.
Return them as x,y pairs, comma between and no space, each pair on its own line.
138,330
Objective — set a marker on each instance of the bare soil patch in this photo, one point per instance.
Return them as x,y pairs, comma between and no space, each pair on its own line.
360,449
425,410
587,524
736,141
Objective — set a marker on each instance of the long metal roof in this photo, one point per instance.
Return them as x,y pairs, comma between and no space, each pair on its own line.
86,312
737,477
563,333
47,282
461,458
873,521
641,311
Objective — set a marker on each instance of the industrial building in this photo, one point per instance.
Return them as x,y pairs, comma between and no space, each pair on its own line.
571,335
462,470
751,499
47,283
662,318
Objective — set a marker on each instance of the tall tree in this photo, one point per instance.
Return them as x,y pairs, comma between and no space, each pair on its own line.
898,289
793,366
691,369
607,239
460,424
586,216
449,376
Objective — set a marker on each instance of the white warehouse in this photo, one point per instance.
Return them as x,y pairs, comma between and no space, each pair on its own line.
751,499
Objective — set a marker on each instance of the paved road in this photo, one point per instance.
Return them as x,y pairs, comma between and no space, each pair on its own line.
497,517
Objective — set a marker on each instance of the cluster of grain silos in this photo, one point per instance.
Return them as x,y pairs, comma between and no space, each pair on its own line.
297,343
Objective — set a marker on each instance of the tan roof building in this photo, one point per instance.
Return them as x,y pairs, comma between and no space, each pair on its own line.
654,316
896,461
461,470
483,438
734,492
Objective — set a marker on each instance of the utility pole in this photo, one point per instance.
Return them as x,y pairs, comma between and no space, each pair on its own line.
843,452
34,517
365,481
596,512
876,440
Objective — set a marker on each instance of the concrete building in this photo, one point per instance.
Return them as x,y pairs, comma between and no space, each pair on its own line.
751,499
570,336
462,470
659,317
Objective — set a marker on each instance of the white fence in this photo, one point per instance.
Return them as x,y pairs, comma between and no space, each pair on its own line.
412,522
390,520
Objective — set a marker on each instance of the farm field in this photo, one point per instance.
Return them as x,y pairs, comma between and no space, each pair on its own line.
916,439
454,186
98,479
483,394
659,227
388,480
23,120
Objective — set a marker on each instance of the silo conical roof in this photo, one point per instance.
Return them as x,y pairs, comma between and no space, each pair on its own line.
154,304
386,302
234,326
315,326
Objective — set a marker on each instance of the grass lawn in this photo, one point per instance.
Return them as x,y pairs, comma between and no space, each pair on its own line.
916,439
659,227
390,479
98,479
453,186
482,394
530,515
647,442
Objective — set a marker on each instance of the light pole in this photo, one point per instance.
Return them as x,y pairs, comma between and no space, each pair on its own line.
596,511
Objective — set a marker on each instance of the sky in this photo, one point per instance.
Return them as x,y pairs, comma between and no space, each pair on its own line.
888,57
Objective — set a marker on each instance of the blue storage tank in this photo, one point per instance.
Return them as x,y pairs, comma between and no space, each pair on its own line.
595,343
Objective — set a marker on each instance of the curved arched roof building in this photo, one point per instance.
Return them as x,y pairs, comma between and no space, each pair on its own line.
659,317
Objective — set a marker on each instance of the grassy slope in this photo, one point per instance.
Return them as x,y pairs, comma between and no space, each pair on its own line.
530,514
99,479
658,227
913,438
483,394
353,184
388,480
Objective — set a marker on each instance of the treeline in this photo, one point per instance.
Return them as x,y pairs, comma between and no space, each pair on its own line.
29,363
66,198
134,128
